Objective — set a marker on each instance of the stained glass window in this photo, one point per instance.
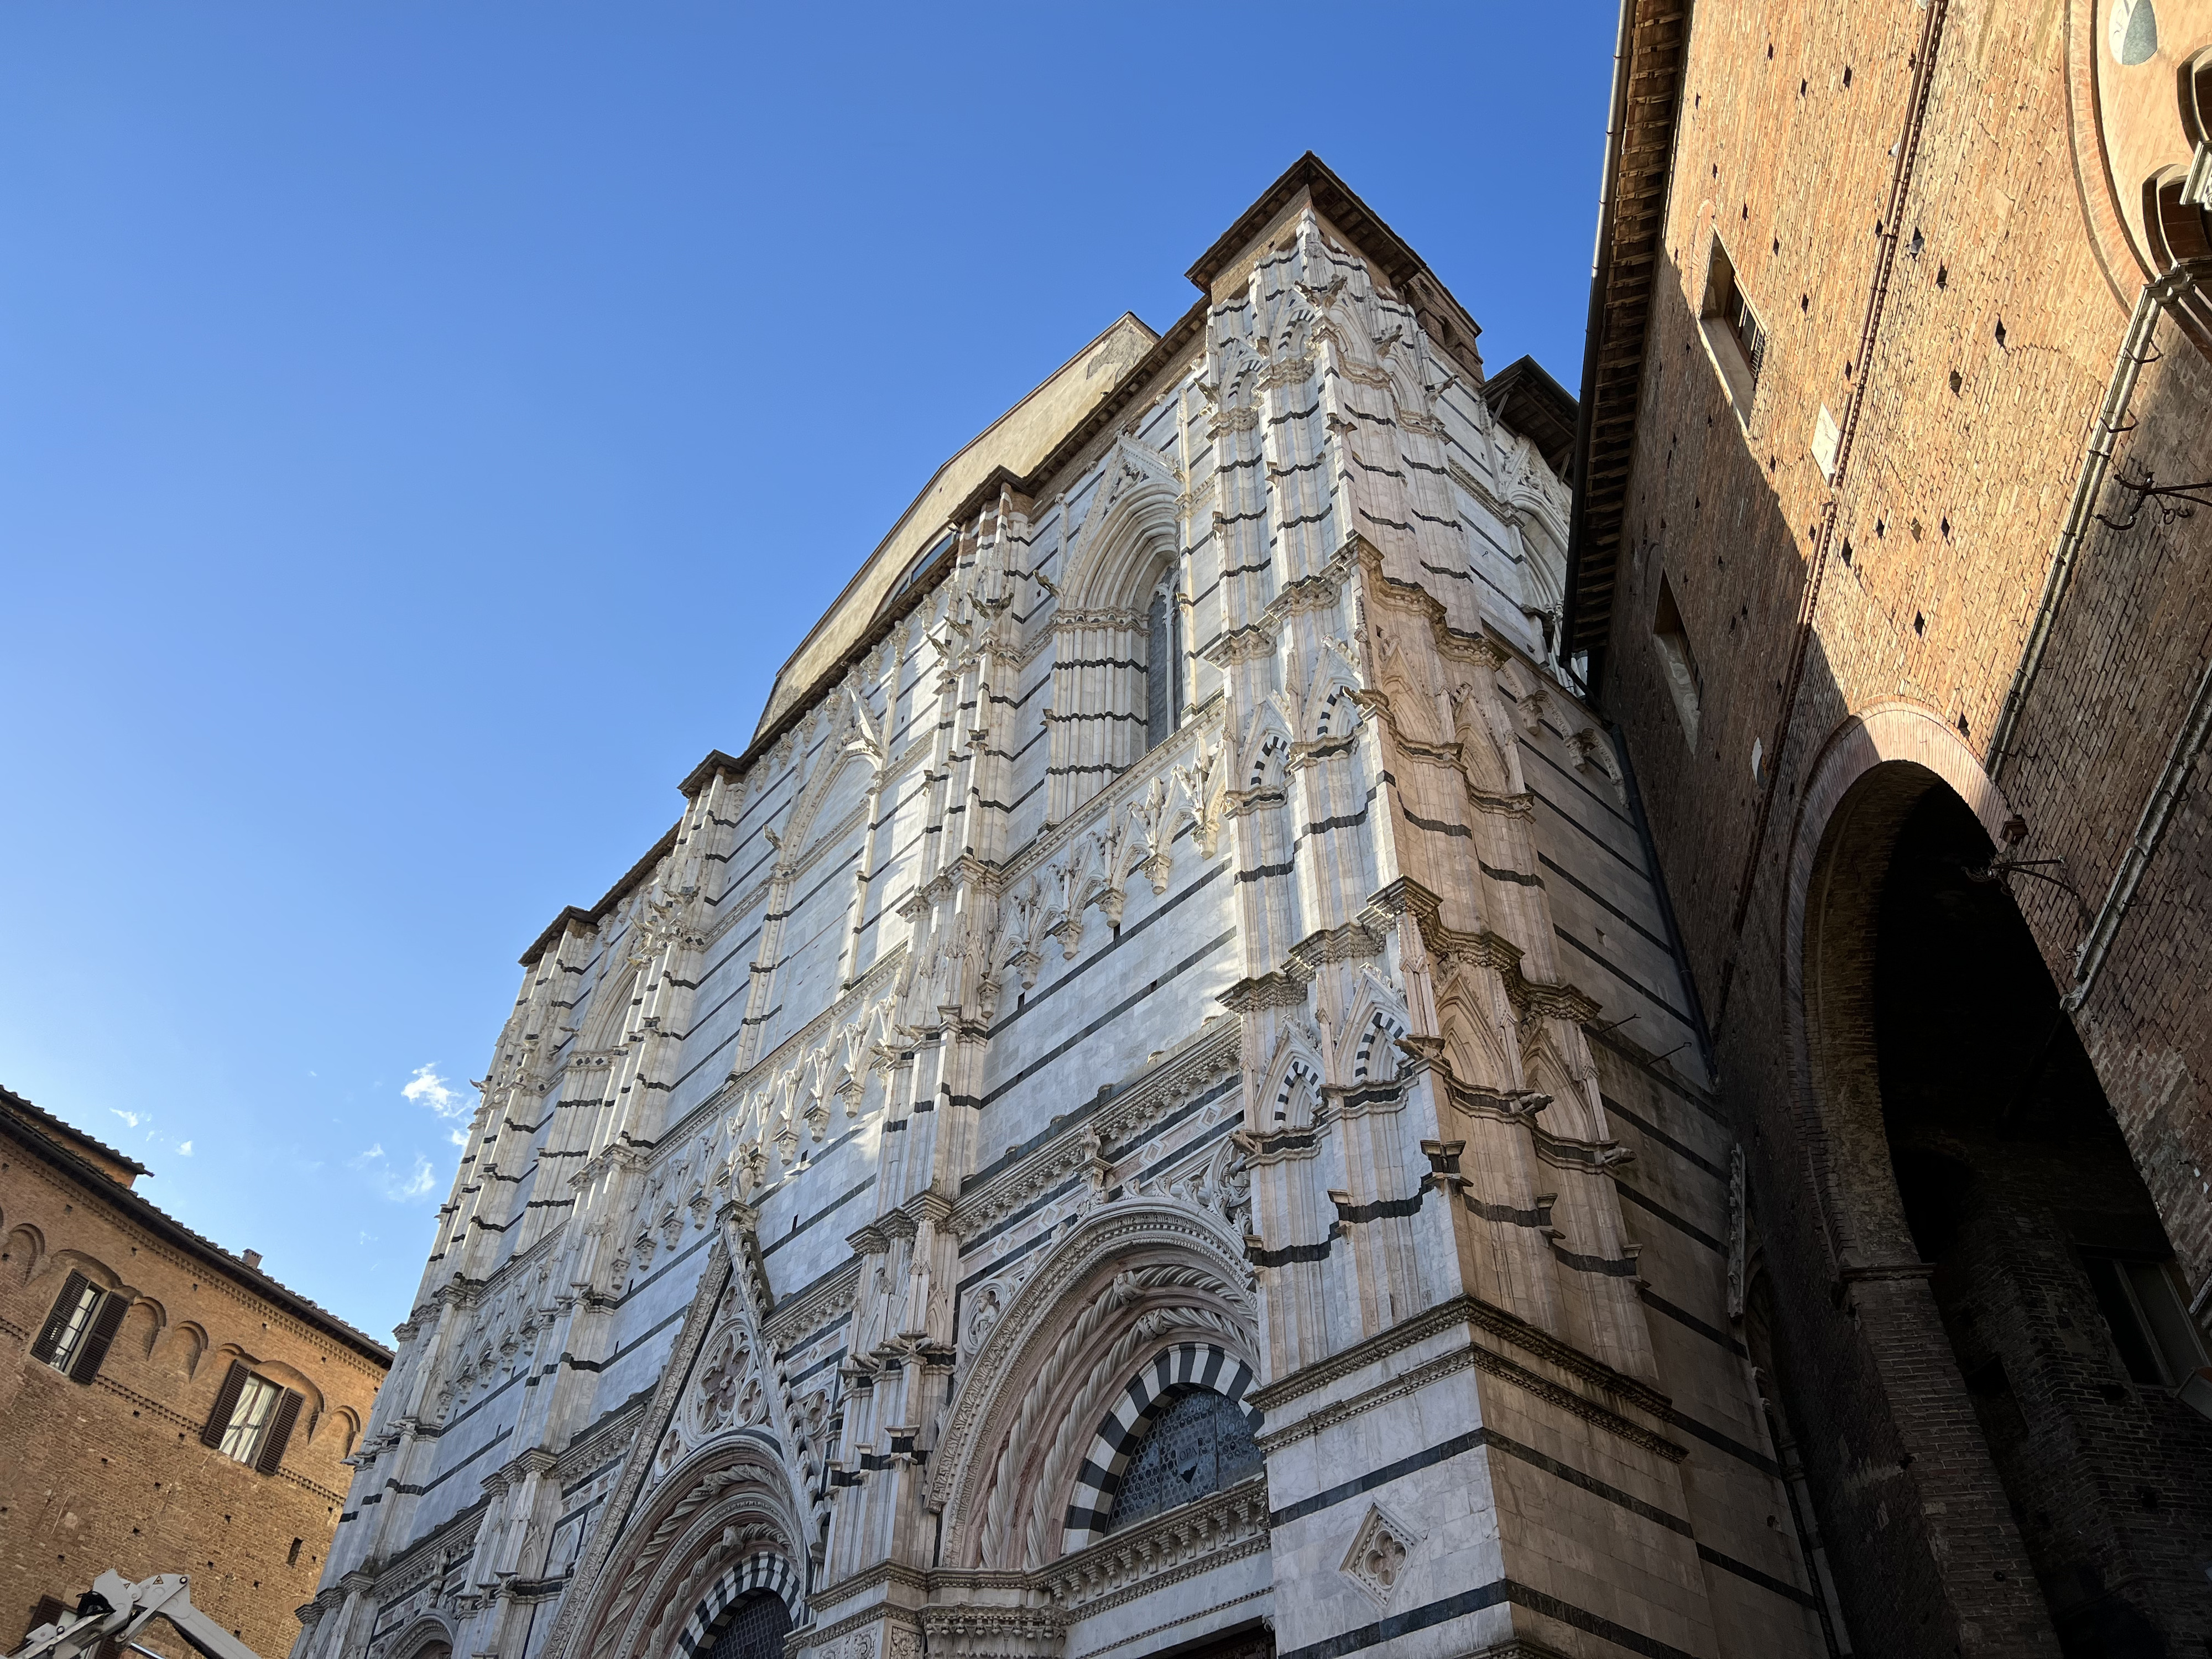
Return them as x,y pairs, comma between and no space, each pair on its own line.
754,1628
1200,1442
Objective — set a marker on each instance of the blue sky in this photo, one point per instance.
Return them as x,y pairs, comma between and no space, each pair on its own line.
425,428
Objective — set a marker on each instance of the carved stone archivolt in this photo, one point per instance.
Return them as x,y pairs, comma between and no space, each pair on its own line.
725,1505
763,1570
1134,1278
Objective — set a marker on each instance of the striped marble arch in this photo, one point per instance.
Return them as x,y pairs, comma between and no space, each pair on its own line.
761,1570
1187,1364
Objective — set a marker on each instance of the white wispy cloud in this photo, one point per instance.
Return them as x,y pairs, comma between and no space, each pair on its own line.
184,1149
426,1088
420,1180
131,1119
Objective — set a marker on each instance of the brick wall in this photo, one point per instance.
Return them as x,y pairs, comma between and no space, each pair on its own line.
1967,365
112,1472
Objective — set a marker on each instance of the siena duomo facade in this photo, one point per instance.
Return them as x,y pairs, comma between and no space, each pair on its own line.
1154,1107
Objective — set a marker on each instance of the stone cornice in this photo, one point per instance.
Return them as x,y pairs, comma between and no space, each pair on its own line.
1178,1544
1631,258
881,974
1476,1356
1098,811
882,1575
1457,1310
814,1307
960,1609
614,896
1177,1076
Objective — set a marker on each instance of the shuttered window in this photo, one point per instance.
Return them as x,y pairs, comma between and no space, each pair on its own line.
253,1419
79,1331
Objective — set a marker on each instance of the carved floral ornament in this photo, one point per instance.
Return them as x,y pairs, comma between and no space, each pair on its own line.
718,1507
1131,1278
729,1393
1377,1559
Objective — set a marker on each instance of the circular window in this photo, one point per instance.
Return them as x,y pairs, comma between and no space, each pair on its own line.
2133,31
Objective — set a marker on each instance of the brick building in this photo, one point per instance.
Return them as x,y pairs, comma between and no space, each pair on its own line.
165,1406
1899,325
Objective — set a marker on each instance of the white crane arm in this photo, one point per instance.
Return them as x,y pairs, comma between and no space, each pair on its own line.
117,1609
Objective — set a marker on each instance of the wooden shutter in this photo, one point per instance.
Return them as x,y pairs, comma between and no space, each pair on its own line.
226,1402
278,1431
49,1337
93,1348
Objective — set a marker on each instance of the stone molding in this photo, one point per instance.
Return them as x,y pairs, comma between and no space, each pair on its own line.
742,907
881,1576
764,1069
982,1613
1178,1076
810,1309
637,1465
1179,1543
978,1416
1478,1316
1496,1365
1054,838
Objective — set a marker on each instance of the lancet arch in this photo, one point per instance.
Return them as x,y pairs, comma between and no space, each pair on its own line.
1134,528
608,1020
1135,1280
1292,1083
1475,1046
1370,1034
1118,670
1333,697
713,1513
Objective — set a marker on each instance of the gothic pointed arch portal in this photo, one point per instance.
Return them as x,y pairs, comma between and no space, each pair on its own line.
1133,1282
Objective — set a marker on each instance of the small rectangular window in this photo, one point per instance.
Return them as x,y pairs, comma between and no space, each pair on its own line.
69,1323
1734,336
250,1418
80,1327
1679,662
2149,1324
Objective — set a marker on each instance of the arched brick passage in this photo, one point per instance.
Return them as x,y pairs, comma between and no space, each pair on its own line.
1870,775
2049,1269
1985,1226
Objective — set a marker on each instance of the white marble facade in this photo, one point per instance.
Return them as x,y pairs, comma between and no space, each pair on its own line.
1011,1044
